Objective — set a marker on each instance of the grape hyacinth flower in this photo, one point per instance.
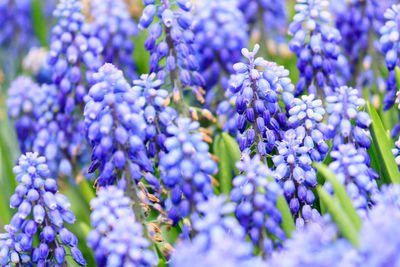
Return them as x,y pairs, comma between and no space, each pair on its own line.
379,234
258,93
157,114
315,43
294,172
267,18
316,245
390,47
114,27
256,198
212,225
220,31
186,168
351,170
16,32
343,109
23,102
74,54
175,45
42,128
308,112
117,238
354,19
42,212
116,129
60,137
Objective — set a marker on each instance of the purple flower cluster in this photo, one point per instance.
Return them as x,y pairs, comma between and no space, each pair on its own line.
354,20
16,32
268,16
258,93
42,128
74,54
23,104
173,29
315,43
343,109
295,173
42,212
117,239
114,27
220,30
348,126
157,114
256,197
186,168
213,224
316,245
390,47
350,168
116,128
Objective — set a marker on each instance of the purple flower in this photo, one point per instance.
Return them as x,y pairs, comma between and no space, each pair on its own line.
212,224
315,43
117,239
351,170
42,212
72,49
258,86
294,172
256,197
114,27
171,38
115,127
220,34
186,168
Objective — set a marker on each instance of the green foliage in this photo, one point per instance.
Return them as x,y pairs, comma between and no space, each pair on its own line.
383,146
339,216
228,153
39,23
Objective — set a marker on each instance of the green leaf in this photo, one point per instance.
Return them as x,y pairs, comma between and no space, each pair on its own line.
233,150
7,180
86,190
340,217
397,72
287,219
224,168
39,23
383,146
340,192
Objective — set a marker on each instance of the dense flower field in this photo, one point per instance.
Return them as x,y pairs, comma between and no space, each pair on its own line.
200,133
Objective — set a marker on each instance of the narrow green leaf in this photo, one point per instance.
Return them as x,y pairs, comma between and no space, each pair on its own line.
340,217
233,150
39,23
7,180
86,190
397,72
340,192
224,172
383,146
287,219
